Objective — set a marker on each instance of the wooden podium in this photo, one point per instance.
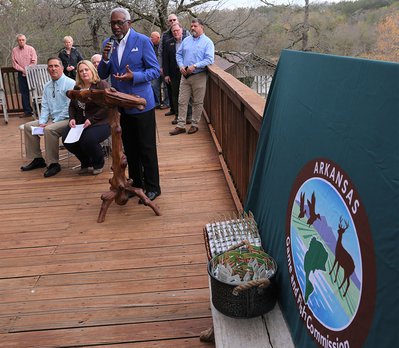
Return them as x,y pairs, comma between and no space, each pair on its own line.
111,99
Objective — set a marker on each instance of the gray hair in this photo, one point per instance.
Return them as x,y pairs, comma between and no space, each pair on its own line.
20,35
122,10
55,58
94,56
197,20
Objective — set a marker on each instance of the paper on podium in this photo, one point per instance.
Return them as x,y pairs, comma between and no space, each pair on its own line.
74,134
37,130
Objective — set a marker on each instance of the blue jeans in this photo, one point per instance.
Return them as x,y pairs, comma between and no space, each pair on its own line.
156,87
24,90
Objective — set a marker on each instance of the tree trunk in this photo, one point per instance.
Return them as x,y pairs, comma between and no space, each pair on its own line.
305,30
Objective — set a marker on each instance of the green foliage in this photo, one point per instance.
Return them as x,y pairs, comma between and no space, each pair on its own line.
350,7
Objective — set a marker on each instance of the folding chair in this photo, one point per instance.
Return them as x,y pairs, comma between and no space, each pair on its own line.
37,77
3,99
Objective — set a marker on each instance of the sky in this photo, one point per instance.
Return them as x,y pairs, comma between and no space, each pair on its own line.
250,3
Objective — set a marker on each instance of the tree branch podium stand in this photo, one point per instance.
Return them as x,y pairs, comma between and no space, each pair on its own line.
111,99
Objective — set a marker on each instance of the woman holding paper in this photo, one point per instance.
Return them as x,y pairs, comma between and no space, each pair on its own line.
92,118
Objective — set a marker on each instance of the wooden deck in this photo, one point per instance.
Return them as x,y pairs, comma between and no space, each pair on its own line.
136,280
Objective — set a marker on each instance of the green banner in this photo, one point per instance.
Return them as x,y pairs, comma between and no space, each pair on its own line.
325,194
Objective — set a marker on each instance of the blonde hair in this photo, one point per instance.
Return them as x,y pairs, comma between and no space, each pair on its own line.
68,38
92,68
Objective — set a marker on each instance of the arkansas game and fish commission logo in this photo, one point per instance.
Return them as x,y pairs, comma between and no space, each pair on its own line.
330,256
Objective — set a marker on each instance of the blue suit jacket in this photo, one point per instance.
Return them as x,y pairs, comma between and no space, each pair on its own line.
140,56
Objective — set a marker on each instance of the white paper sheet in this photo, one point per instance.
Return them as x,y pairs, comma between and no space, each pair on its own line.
74,134
37,130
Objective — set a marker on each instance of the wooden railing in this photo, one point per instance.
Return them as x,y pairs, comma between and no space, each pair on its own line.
235,114
11,88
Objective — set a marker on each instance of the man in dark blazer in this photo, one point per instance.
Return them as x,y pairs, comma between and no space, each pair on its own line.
129,58
171,69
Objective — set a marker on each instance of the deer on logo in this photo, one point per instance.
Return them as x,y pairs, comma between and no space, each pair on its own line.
343,258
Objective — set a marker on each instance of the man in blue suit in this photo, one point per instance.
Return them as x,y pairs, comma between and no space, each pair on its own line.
129,58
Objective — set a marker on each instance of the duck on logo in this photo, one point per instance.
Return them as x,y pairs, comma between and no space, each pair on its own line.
330,256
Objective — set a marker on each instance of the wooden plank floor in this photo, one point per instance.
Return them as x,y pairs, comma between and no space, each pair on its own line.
136,280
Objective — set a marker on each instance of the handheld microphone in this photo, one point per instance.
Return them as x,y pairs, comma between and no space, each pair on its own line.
112,39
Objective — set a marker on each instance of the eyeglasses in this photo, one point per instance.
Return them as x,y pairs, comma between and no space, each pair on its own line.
172,20
118,23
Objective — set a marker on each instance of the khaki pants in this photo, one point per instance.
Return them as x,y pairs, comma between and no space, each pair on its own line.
195,87
52,134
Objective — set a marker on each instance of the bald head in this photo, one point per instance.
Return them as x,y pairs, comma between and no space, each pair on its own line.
155,37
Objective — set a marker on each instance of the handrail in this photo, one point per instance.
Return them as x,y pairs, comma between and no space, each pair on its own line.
234,113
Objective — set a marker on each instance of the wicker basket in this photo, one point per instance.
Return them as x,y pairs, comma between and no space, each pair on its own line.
250,300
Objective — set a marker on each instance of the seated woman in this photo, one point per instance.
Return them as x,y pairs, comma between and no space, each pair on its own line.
94,119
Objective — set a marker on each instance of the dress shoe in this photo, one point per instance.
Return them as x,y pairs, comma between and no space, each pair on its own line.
174,121
188,122
151,196
36,163
163,106
52,169
192,130
178,130
169,113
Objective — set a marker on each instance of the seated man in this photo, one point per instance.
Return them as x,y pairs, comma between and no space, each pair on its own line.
53,118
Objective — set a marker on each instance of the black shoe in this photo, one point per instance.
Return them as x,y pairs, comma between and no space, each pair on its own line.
188,122
52,169
151,195
36,163
169,113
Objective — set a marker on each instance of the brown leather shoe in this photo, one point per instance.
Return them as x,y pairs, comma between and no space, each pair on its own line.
177,131
192,130
174,121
